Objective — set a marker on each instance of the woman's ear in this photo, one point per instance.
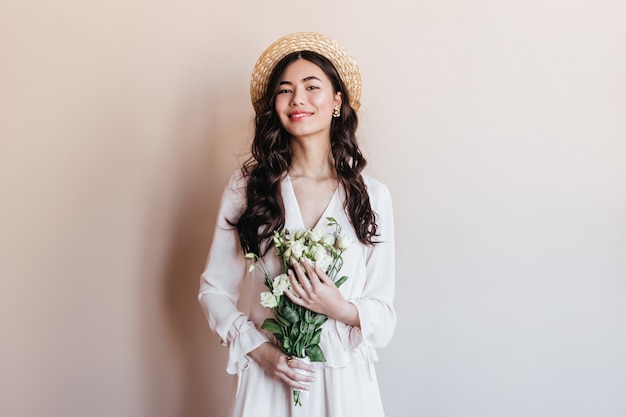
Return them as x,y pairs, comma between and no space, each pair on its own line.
338,99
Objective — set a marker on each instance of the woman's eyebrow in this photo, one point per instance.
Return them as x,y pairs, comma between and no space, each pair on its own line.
312,77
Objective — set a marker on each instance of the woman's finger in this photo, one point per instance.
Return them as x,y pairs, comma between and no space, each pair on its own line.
322,276
299,373
297,289
314,278
303,280
291,378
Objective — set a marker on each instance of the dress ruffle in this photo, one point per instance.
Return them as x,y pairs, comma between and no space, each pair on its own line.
242,341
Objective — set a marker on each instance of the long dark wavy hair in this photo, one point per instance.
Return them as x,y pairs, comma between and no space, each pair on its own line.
264,211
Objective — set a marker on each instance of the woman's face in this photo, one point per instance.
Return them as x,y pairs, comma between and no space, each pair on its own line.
305,100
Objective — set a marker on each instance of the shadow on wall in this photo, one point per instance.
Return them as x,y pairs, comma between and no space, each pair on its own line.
185,363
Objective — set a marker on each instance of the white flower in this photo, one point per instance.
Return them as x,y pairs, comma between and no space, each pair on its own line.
344,241
280,284
328,240
317,252
297,249
324,262
269,300
314,235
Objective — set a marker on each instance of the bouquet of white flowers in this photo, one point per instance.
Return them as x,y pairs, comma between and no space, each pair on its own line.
298,329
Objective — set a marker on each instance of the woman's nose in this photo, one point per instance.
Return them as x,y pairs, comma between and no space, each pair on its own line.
298,96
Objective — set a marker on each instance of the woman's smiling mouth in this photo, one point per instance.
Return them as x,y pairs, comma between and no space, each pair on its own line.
298,115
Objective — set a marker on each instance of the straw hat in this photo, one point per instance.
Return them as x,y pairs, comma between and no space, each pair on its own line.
306,41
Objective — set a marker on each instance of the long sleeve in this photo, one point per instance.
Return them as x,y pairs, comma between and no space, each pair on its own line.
221,281
375,304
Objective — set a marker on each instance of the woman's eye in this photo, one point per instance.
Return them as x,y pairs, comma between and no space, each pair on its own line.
312,87
283,91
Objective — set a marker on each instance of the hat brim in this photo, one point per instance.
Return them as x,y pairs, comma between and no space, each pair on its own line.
306,41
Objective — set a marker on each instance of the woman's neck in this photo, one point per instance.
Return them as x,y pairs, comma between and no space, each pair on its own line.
312,161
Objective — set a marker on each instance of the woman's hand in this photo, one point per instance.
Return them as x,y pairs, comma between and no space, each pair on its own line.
313,289
276,364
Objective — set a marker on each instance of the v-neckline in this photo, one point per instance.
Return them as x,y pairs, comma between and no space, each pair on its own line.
298,211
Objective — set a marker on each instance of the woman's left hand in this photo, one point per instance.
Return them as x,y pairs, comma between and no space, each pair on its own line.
313,289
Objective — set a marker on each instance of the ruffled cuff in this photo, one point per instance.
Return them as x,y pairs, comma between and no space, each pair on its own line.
377,322
242,341
351,336
354,350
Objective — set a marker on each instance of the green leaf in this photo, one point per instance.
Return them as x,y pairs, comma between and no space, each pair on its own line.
287,344
308,316
299,345
304,327
315,353
341,281
317,336
290,313
283,321
272,326
319,319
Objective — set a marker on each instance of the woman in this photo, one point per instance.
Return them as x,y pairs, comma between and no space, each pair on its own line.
305,166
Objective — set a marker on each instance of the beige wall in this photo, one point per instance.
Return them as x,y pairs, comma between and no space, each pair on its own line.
498,125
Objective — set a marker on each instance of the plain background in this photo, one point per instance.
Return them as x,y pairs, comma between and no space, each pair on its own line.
499,126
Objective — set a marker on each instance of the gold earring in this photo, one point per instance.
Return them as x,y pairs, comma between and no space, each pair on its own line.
336,112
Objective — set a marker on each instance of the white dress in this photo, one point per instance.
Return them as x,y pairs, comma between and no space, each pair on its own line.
345,385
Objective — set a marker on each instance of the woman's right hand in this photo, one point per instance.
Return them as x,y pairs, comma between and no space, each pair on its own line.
275,364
